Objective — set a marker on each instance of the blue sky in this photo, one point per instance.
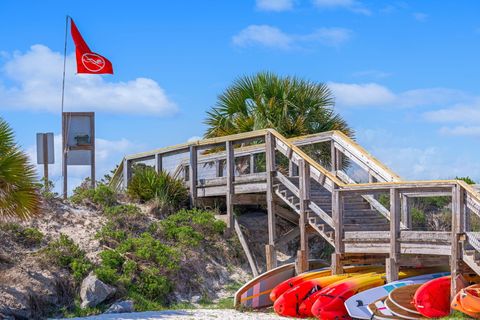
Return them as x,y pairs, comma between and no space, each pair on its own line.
404,73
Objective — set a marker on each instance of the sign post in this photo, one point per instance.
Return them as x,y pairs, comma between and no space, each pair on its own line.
78,143
45,153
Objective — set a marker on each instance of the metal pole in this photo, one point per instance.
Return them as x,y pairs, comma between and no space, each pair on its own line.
45,161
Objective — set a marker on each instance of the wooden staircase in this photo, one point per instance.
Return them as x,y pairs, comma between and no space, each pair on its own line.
342,211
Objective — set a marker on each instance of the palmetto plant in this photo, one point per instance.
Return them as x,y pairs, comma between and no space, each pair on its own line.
19,197
290,105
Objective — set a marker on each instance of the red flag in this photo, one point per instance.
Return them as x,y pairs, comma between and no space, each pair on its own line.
88,61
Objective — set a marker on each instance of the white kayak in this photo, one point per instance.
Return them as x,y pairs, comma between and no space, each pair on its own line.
357,305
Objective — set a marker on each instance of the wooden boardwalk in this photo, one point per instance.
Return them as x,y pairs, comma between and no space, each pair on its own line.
327,184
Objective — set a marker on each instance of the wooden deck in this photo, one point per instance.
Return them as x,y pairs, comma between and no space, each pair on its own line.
305,181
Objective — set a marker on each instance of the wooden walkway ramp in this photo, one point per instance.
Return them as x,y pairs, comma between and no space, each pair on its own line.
327,184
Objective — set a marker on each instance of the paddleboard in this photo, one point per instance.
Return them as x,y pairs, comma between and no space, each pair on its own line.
399,312
379,311
357,305
402,297
432,299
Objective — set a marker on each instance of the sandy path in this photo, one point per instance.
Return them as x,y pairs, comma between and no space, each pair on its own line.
201,314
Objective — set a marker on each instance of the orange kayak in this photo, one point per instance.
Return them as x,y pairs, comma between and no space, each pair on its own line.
471,298
457,304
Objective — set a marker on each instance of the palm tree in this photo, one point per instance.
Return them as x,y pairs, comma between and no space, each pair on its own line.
18,189
290,105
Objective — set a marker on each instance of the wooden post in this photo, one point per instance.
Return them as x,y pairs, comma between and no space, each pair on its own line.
193,175
158,163
252,163
230,183
302,255
270,170
218,168
406,216
392,263
45,160
92,152
337,215
64,155
458,201
127,172
333,157
246,249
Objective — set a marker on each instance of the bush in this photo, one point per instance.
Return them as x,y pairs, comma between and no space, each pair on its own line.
466,179
102,195
146,184
123,209
189,227
153,285
27,236
65,253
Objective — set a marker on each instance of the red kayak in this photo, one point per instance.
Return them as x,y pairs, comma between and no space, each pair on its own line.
289,302
432,299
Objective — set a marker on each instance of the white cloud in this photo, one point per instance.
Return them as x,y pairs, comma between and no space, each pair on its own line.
36,77
376,95
108,155
352,5
368,94
274,5
264,35
272,37
419,16
460,113
461,131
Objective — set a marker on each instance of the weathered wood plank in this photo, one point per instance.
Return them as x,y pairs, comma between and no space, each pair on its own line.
392,265
246,249
192,178
270,169
230,191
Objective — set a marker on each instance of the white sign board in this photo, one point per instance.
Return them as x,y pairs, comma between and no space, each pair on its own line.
79,130
79,157
41,151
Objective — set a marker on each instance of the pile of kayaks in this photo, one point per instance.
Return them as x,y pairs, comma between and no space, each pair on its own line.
361,292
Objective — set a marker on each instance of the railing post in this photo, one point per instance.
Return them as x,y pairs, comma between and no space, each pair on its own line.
270,251
337,215
304,188
333,157
406,216
392,263
193,175
158,163
127,172
458,224
230,183
252,163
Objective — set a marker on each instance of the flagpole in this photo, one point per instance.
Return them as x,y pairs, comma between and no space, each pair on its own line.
64,160
64,61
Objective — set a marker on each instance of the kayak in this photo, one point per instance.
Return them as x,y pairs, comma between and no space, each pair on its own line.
309,275
457,304
330,302
471,298
432,299
289,302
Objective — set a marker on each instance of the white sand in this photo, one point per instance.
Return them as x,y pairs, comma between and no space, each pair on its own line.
202,314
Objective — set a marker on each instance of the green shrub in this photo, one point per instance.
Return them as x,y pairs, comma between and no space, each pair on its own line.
27,236
146,184
107,274
65,253
153,285
103,195
419,219
190,227
147,248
